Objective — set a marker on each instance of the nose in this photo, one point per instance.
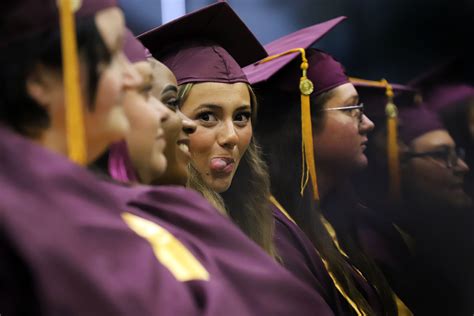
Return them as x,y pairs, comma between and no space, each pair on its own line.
161,109
189,126
462,166
227,137
130,76
366,125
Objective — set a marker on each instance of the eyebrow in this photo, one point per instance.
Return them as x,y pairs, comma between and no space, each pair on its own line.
442,147
244,107
218,107
146,84
209,105
352,99
170,88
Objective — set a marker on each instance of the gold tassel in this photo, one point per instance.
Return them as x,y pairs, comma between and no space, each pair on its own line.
76,143
308,171
391,112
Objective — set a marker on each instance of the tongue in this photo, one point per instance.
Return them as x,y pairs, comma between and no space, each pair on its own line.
218,164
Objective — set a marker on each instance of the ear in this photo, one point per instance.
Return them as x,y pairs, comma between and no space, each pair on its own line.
39,85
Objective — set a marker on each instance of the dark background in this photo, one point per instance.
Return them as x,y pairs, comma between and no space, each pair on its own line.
394,39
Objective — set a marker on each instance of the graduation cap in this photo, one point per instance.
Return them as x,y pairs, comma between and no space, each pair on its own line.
379,103
446,85
418,120
22,18
292,67
133,48
17,25
448,96
208,45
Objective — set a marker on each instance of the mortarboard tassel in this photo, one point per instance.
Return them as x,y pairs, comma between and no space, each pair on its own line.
393,159
391,112
76,143
306,88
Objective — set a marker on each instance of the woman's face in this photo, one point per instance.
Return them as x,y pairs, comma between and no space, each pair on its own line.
222,113
146,138
429,178
341,141
107,122
177,128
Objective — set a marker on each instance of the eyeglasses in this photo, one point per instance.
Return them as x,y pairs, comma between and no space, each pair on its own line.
355,111
447,155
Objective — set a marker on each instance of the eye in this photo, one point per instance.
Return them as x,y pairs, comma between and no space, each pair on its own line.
172,103
243,117
206,116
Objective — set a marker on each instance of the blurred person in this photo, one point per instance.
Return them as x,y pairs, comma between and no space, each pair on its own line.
64,245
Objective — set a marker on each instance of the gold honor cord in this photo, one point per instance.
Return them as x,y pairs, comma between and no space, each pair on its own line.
307,150
75,130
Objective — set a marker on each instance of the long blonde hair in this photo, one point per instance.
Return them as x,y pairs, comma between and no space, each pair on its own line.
246,201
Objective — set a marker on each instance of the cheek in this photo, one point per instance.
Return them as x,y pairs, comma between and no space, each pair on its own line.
339,140
201,146
245,136
144,122
427,176
108,91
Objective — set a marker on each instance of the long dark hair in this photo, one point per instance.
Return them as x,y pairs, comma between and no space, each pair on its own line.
280,136
246,201
18,61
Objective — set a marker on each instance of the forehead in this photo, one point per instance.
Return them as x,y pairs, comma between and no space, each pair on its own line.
432,140
163,76
220,94
342,95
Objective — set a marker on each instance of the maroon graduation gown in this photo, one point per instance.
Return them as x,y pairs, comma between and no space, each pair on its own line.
243,279
64,244
301,258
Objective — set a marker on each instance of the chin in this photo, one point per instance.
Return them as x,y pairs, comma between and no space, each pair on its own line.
361,163
117,124
220,185
160,164
460,200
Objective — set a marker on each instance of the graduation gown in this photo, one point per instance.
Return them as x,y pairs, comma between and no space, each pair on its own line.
243,280
65,250
379,239
70,246
301,258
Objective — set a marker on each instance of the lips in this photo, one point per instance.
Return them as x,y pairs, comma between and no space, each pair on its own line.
222,165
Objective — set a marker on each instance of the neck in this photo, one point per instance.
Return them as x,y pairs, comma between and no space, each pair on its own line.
52,140
327,182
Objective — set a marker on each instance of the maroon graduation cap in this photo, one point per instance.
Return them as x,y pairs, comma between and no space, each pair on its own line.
133,48
283,66
292,67
446,86
208,45
22,18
